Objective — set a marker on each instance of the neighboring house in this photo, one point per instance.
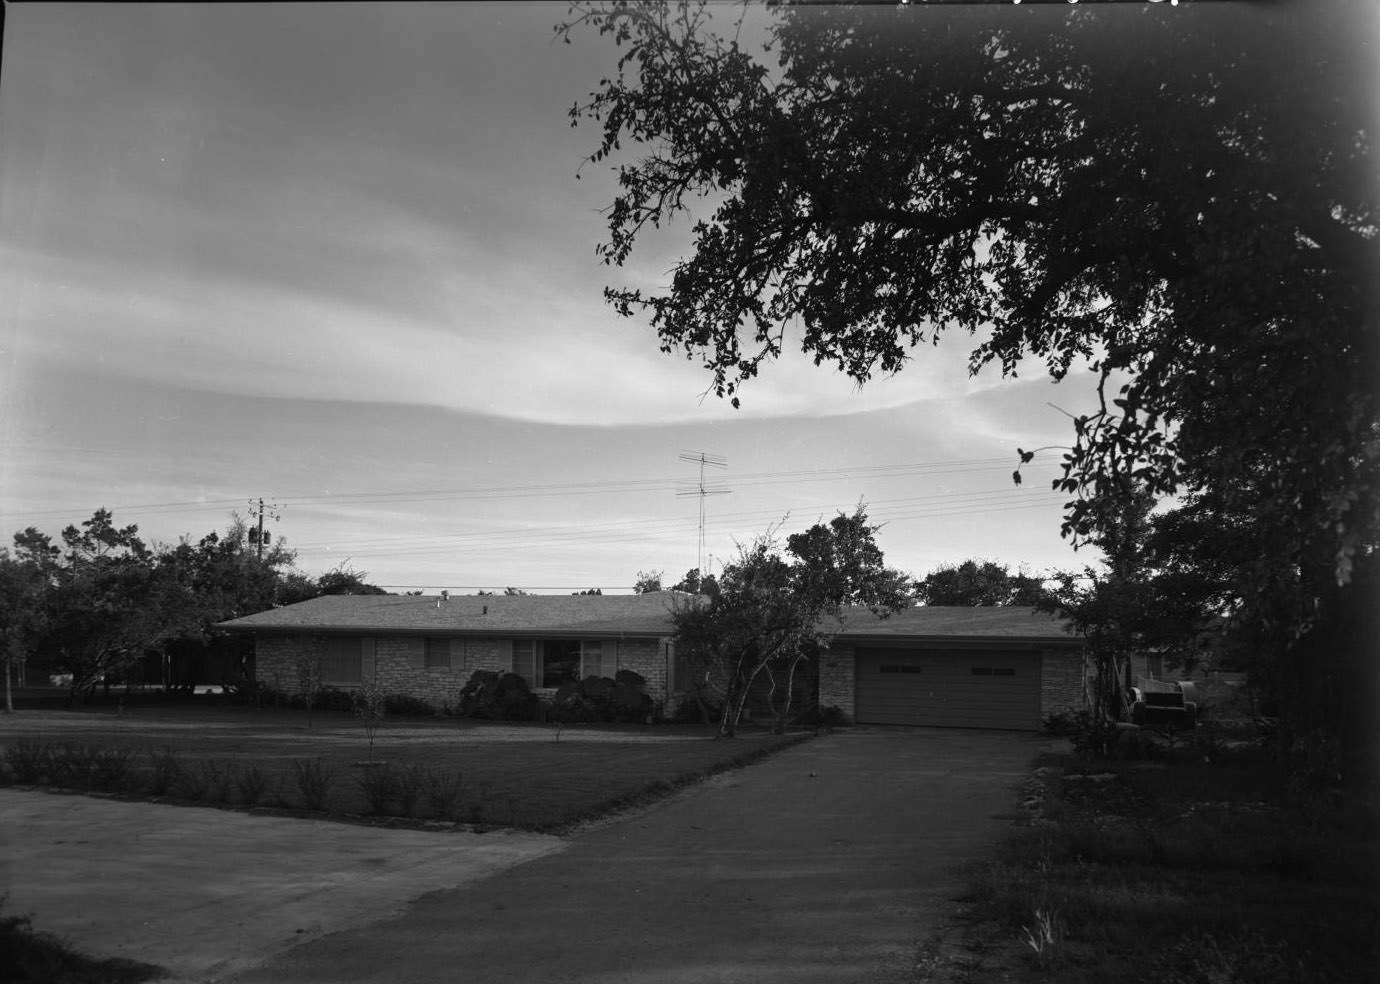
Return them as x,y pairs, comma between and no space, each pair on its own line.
963,667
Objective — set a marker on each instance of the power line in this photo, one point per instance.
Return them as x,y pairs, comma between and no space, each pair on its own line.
620,486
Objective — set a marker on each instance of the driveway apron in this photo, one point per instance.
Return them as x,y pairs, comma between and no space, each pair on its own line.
830,862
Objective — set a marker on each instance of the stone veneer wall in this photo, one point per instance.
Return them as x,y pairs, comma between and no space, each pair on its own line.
399,664
838,678
1062,689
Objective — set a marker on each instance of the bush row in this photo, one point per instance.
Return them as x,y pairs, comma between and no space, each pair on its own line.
386,790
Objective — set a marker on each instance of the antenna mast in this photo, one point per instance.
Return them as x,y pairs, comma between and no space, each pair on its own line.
703,459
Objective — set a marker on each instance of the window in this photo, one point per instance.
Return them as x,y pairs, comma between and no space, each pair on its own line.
900,668
554,662
560,662
437,654
994,671
342,660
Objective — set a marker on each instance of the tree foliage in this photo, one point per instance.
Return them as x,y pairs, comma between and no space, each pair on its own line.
647,582
1192,216
770,614
97,600
1180,200
978,583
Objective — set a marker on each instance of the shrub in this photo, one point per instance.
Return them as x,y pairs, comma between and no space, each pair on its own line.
333,699
823,717
251,692
442,792
253,785
314,779
405,705
407,789
30,760
497,697
1060,724
74,766
379,785
192,784
164,769
603,699
219,779
112,769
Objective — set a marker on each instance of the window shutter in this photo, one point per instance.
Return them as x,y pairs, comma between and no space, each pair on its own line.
503,649
416,652
609,665
457,653
368,660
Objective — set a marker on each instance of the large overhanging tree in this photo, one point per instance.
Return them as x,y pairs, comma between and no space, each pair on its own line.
1181,199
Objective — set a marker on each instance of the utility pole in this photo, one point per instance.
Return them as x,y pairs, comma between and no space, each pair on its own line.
703,459
257,535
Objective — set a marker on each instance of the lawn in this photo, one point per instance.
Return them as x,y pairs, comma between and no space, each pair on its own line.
1179,872
531,776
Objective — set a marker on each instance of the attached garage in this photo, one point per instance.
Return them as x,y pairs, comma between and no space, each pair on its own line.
1004,668
949,688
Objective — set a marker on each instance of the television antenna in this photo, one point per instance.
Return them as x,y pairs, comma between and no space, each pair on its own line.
703,490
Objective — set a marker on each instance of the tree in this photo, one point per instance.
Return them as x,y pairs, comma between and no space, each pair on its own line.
647,582
978,583
769,615
343,580
111,600
25,579
309,663
225,575
1191,216
371,705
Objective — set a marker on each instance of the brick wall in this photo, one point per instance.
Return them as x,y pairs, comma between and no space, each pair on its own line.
1061,682
837,677
399,664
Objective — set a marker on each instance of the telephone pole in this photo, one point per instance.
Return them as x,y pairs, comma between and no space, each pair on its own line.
703,459
257,535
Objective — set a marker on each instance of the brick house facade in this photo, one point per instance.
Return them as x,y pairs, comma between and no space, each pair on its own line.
1022,664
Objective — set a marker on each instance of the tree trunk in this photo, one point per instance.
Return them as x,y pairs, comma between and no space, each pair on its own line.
9,694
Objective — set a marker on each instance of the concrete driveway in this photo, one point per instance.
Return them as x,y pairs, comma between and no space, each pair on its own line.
832,861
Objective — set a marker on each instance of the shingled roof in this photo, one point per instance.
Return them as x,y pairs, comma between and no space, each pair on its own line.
645,614
610,615
934,622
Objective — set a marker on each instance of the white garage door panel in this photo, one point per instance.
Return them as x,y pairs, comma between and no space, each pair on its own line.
963,689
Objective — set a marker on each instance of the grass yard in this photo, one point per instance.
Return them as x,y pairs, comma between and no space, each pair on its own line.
531,776
1180,873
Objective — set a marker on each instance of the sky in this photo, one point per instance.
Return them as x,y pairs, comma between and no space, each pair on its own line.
342,258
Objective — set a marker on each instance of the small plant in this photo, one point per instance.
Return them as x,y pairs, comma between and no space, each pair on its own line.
370,706
74,766
1044,937
314,779
380,787
253,784
164,769
113,769
404,705
442,792
192,784
219,780
410,782
30,760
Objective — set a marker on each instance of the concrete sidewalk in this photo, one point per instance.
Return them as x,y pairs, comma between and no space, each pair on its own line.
831,862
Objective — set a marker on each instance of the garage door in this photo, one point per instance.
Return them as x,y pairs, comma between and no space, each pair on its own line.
954,689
